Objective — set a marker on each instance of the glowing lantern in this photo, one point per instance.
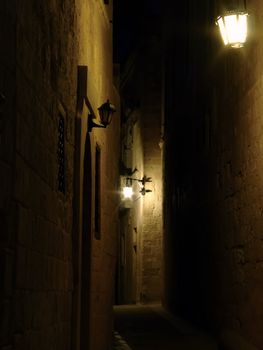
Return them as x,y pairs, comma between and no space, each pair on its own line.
127,190
233,28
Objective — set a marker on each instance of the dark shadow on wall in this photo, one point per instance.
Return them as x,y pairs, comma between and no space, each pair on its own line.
82,241
86,247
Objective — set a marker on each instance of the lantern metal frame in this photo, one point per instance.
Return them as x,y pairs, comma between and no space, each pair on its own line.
106,111
143,181
233,24
128,184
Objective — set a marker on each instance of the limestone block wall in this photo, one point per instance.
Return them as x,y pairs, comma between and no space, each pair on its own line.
143,90
45,42
237,185
141,224
103,263
214,190
137,214
131,215
152,237
45,80
94,28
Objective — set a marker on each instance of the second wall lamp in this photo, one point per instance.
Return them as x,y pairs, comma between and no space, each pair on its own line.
128,190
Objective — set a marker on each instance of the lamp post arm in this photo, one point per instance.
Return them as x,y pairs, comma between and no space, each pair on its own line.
91,124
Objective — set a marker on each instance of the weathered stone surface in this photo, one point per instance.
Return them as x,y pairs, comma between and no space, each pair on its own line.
213,190
44,44
141,235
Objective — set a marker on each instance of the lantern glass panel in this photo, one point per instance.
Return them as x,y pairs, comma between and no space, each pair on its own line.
127,192
233,29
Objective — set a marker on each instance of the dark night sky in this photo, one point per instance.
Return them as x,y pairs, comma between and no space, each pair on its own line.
128,24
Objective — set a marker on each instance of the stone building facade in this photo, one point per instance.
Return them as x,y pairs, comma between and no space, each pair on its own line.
213,174
58,198
141,231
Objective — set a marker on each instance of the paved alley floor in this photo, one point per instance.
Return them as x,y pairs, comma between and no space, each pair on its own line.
151,328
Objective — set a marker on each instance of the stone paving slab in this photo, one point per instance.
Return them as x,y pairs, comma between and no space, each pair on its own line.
140,327
119,343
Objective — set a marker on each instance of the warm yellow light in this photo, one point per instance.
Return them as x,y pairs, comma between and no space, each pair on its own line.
233,29
223,32
127,192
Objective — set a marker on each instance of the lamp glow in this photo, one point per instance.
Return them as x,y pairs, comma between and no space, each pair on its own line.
127,192
233,29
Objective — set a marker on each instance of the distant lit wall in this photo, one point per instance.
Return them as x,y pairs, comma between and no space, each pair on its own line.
152,238
141,93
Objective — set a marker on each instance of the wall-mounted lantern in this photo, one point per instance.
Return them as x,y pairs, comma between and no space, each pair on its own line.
127,190
106,111
143,181
233,25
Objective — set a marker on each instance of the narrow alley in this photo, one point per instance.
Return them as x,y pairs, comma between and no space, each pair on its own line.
131,182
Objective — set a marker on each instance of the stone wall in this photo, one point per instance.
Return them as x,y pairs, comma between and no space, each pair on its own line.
43,268
44,45
214,185
94,28
141,93
152,247
237,185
